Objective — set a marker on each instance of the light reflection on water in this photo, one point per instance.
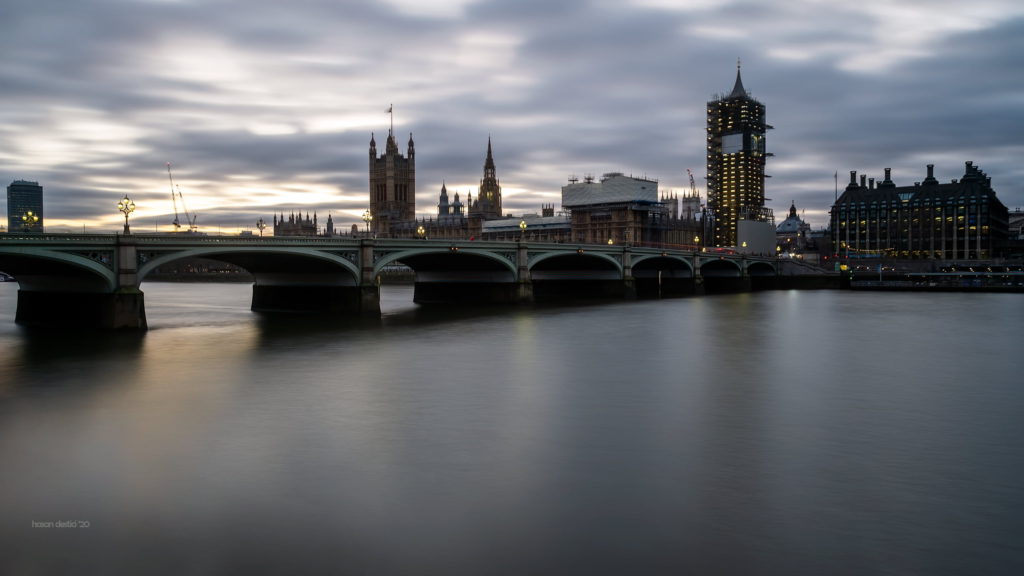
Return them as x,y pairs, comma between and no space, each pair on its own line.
770,433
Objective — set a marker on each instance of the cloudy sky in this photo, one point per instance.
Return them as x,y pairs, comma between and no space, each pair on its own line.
267,107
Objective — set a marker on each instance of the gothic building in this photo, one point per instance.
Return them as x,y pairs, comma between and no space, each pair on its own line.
487,205
296,225
735,162
392,185
454,219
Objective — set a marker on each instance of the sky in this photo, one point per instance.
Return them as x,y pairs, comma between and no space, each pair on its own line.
266,107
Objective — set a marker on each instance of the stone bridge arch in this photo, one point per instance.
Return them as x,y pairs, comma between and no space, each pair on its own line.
449,258
580,273
762,275
762,269
267,264
578,259
452,273
46,270
662,275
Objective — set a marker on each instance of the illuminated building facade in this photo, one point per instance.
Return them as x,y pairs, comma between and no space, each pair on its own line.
24,207
961,220
735,162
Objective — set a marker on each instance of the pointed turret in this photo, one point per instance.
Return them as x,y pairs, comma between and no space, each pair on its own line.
488,204
489,162
457,206
443,208
737,90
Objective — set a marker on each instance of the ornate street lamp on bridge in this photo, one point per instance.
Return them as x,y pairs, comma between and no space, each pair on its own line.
29,221
126,206
367,218
522,229
262,225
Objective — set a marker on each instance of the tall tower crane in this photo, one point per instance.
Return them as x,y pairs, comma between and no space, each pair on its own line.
190,218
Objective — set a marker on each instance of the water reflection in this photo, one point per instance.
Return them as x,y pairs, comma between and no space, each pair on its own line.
734,434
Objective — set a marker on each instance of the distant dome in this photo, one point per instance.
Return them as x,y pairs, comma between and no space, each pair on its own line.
791,224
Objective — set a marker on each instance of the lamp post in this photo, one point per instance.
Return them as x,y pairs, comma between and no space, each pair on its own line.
421,231
126,206
29,221
610,242
367,218
522,230
696,242
261,225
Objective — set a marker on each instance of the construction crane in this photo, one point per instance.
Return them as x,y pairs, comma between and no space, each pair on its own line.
693,185
190,218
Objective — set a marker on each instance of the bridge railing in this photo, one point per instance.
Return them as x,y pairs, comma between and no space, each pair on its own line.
56,238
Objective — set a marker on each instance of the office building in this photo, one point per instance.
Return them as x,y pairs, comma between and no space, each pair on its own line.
24,207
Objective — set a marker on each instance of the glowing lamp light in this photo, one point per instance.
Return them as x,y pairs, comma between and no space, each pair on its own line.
367,218
29,220
126,207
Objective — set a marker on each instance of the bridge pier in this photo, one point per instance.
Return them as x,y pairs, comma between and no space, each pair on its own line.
356,300
628,281
698,284
524,284
122,309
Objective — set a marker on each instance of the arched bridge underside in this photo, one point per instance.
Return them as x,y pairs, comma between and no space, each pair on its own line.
95,280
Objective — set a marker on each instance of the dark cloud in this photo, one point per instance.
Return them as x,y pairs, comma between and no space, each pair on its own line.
267,107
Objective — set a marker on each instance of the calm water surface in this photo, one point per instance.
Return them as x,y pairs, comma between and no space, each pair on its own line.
772,433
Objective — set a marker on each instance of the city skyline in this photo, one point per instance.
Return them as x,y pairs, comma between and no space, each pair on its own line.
264,109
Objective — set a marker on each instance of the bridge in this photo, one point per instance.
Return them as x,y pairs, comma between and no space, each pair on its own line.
94,280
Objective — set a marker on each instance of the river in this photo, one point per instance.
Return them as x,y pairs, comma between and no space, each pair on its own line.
789,432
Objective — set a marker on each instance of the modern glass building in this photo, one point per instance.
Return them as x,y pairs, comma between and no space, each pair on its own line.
735,162
24,207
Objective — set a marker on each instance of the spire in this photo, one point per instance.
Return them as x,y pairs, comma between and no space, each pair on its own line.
738,91
489,162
